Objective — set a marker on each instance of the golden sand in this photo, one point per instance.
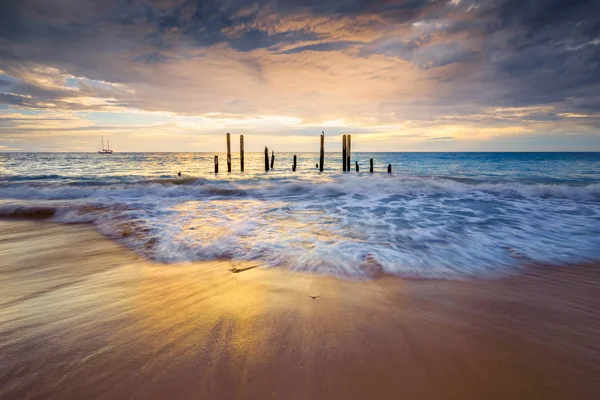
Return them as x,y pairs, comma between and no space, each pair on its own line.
81,317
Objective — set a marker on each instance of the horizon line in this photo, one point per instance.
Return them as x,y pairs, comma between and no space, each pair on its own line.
297,152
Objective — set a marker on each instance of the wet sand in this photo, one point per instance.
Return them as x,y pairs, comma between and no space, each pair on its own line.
82,317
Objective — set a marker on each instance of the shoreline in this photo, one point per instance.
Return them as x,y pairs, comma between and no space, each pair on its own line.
43,215
82,316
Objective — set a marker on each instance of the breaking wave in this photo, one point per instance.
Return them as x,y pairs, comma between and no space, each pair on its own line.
345,185
345,225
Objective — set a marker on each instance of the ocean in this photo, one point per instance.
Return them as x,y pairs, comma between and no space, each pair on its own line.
438,215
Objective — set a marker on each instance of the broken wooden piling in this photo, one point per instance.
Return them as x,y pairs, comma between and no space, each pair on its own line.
322,154
371,165
266,158
389,168
272,159
357,166
344,153
348,152
216,164
228,152
294,164
242,153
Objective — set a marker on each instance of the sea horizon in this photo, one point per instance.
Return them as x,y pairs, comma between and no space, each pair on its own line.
326,151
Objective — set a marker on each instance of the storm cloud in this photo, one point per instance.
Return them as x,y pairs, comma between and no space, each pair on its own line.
377,63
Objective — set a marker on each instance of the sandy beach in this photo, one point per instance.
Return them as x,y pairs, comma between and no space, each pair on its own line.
83,317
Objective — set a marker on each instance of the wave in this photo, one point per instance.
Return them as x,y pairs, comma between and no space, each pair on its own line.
344,225
348,185
25,178
27,212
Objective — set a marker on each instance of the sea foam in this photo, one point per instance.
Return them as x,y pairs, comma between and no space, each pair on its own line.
344,225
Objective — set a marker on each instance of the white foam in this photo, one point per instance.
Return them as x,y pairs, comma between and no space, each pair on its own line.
406,225
339,185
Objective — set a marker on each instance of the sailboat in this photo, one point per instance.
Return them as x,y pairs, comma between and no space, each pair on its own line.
102,149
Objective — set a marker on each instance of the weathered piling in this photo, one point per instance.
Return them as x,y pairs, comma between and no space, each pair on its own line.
348,151
371,165
216,164
272,159
357,166
266,158
228,152
294,164
242,153
344,153
389,168
322,154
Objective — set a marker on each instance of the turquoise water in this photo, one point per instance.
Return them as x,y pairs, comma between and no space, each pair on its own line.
450,215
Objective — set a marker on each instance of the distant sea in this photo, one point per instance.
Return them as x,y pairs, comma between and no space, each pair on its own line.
443,215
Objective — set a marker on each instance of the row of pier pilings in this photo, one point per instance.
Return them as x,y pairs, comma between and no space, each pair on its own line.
269,164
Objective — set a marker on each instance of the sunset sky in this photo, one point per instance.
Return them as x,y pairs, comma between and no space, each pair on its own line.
406,75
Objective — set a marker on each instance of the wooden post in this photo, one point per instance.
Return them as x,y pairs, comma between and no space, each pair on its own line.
344,152
294,165
242,152
216,164
357,166
348,151
228,152
322,155
272,159
389,168
266,158
371,163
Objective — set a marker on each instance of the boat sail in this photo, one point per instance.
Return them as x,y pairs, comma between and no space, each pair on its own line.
102,149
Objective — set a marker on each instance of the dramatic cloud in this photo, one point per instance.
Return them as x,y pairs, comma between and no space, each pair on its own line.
400,74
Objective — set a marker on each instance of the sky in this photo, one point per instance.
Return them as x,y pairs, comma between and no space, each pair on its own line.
399,75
